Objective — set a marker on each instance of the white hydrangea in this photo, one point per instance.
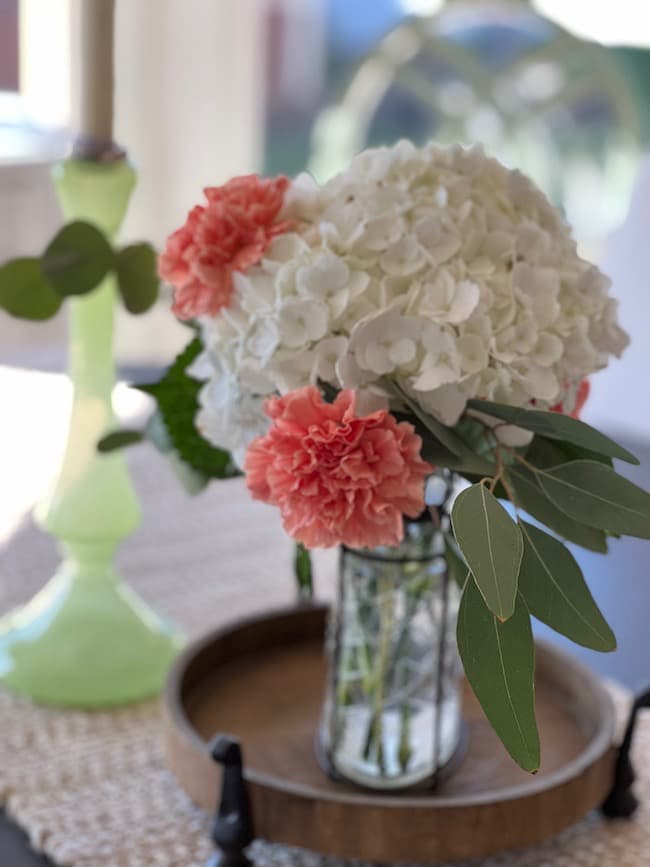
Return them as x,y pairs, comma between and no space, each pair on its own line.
436,268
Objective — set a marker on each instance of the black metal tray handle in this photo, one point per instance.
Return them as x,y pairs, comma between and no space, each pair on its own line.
232,829
621,803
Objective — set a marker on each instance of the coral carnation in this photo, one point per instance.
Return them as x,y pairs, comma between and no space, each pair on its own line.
228,234
337,478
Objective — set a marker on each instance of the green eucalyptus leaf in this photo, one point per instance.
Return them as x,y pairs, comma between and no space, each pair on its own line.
545,453
499,663
137,277
556,593
24,291
594,491
77,259
479,438
556,426
177,397
468,464
119,439
532,499
492,546
443,434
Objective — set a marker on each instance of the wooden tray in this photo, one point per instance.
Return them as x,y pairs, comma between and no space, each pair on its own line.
262,681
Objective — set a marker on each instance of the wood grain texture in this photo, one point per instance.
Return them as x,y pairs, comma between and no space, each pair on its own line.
262,681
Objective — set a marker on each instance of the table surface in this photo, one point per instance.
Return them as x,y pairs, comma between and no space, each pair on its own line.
625,605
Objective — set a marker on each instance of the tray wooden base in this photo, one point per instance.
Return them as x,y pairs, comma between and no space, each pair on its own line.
262,681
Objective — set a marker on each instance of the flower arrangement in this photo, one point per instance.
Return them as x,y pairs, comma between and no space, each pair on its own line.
426,308
438,270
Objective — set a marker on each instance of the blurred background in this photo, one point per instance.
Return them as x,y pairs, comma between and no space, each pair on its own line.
210,88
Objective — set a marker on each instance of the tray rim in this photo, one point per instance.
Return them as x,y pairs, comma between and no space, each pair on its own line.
597,747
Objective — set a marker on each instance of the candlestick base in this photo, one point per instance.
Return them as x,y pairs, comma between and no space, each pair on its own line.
85,641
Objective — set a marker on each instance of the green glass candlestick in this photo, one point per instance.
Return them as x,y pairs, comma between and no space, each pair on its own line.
85,639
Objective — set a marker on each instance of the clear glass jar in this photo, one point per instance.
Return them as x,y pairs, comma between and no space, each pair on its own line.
392,714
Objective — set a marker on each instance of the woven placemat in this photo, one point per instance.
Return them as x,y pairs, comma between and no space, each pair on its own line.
91,789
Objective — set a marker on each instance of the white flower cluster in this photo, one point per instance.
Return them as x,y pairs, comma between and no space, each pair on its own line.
434,268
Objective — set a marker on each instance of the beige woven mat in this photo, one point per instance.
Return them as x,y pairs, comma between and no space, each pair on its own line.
91,789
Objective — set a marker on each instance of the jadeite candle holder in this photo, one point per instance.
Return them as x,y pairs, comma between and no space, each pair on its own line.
86,640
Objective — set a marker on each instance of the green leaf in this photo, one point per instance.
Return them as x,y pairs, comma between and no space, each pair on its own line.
492,546
448,447
544,453
532,499
555,591
192,481
443,434
137,277
467,464
556,426
588,489
157,434
24,291
119,439
177,397
457,569
476,436
77,259
499,663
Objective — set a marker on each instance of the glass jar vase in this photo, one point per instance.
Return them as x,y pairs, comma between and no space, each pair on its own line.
392,713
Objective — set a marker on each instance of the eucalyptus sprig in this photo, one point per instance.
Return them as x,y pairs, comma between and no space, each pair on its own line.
77,259
511,569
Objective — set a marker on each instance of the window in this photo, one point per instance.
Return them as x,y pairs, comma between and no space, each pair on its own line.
34,82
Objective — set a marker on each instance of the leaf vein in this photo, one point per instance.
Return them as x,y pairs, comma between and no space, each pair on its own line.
489,541
590,493
507,688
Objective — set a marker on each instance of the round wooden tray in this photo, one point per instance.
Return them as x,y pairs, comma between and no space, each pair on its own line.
262,681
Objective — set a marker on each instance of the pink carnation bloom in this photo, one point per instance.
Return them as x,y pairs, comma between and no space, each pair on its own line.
230,233
337,478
